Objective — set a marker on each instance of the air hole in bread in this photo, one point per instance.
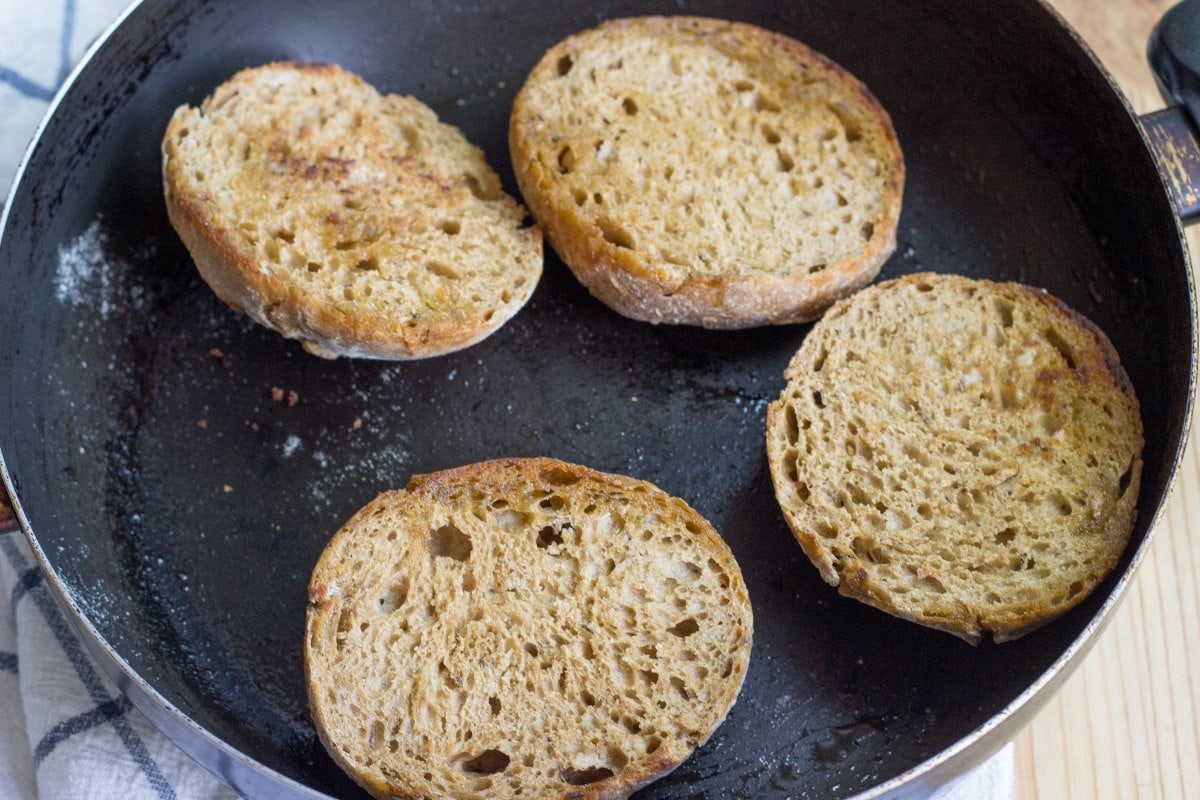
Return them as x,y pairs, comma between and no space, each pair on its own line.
1005,536
786,162
1004,309
932,583
616,234
827,134
450,542
556,476
825,530
764,103
580,196
352,203
489,762
589,653
815,268
368,264
313,266
553,502
582,777
1059,503
394,597
868,549
481,191
867,231
1009,397
849,125
684,628
684,572
915,453
1125,480
743,86
547,536
1060,344
564,65
681,687
649,676
770,134
630,106
566,161
451,227
447,677
1050,422
442,270
375,736
818,400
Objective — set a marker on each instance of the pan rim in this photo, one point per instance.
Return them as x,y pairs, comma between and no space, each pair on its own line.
967,751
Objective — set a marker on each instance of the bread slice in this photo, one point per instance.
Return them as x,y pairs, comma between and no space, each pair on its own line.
354,222
960,453
704,172
523,628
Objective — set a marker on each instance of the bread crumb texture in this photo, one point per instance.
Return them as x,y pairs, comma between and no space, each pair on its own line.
698,171
355,222
523,628
960,453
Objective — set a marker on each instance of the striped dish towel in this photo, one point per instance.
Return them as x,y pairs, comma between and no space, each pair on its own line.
65,730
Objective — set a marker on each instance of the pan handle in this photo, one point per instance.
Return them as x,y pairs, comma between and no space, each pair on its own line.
1174,54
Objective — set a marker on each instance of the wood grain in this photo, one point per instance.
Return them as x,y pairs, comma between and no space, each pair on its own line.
1125,724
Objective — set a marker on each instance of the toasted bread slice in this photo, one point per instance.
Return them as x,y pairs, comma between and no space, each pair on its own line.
703,172
523,628
960,453
354,222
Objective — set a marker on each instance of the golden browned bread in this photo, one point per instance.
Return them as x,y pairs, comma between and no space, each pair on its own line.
354,222
704,172
523,628
960,453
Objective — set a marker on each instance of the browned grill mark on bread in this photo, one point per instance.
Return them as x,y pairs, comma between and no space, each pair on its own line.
354,222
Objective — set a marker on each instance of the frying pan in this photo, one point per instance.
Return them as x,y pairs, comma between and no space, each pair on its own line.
178,469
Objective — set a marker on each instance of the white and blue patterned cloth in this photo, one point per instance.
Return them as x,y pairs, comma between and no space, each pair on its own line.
66,732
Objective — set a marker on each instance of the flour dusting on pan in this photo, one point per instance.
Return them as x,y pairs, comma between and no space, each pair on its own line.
88,275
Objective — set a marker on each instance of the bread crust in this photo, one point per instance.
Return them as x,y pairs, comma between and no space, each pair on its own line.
337,591
328,326
641,285
985,492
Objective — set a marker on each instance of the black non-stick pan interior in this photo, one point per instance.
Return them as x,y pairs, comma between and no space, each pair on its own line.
182,468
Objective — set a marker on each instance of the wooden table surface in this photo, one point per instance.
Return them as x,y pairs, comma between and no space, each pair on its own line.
1126,725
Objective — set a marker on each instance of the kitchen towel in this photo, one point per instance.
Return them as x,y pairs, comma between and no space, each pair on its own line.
65,730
